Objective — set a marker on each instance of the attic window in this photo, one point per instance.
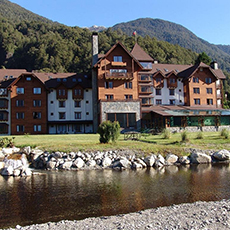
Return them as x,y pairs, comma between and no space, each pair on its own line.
79,80
58,79
86,76
28,78
64,80
201,69
117,58
177,70
50,77
74,79
166,70
158,69
11,76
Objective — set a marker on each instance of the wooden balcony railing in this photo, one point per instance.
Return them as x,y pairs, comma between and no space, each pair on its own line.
119,76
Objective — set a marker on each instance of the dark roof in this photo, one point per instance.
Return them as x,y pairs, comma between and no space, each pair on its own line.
140,54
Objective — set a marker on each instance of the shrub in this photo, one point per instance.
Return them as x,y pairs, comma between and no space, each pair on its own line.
200,135
224,133
166,134
6,142
109,131
184,136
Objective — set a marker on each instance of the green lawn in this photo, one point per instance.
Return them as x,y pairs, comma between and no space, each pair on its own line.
147,143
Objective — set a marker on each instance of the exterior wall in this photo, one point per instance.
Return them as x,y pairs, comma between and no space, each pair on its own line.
121,107
86,110
28,122
203,96
165,97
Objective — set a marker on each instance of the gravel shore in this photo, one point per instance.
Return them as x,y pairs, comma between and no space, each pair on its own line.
198,215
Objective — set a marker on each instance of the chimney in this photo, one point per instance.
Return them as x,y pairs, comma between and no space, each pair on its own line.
214,65
94,48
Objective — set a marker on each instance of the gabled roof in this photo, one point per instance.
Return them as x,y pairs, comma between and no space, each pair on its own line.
6,74
140,54
123,47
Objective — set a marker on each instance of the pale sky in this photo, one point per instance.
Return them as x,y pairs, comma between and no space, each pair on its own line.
208,19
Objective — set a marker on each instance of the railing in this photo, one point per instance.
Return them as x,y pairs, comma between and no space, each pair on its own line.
144,78
118,75
146,90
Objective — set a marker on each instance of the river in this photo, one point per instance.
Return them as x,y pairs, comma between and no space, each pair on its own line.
57,195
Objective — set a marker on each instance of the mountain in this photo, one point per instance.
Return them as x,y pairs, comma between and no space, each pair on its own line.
17,14
96,28
176,34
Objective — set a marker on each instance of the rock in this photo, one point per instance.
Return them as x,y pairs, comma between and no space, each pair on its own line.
27,150
136,165
78,163
2,164
66,165
72,155
2,155
125,163
141,162
171,159
51,164
8,151
222,155
160,161
17,172
91,163
8,171
150,160
57,155
184,160
27,172
200,158
106,162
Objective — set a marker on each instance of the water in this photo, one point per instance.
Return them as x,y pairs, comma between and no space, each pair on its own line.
54,196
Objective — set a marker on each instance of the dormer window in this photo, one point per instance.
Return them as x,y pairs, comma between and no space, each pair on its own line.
172,80
117,58
146,65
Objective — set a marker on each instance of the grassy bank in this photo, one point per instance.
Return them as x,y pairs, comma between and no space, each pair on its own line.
147,143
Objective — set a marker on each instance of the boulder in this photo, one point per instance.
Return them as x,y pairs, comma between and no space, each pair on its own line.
78,163
171,159
160,161
2,164
185,160
106,162
7,171
27,150
200,158
136,165
150,160
51,164
222,155
2,155
66,165
125,163
91,163
141,162
17,172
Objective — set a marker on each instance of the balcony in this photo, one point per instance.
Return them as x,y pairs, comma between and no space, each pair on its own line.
115,63
145,78
3,92
146,101
145,89
118,76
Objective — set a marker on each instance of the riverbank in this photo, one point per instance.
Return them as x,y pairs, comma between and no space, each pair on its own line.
198,215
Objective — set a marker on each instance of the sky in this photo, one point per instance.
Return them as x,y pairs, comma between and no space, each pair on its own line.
207,19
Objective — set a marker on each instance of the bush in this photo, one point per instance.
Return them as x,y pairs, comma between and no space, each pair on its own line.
224,133
166,134
200,135
184,136
109,131
6,142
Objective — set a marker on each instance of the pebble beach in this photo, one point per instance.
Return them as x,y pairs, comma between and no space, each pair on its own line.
198,215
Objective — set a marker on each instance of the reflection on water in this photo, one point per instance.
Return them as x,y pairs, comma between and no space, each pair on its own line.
53,196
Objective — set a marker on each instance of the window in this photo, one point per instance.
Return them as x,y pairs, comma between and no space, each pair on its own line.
61,104
109,97
20,115
20,128
37,128
61,92
61,115
158,80
158,91
19,103
209,90
172,102
37,90
108,84
77,92
195,80
197,101
171,92
208,80
117,58
3,103
20,90
77,104
158,102
209,101
28,78
128,85
37,103
146,65
77,115
196,90
129,97
172,80
37,115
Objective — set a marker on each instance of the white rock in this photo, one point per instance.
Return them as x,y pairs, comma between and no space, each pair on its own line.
66,165
171,159
91,163
27,150
17,172
2,164
200,158
28,172
222,155
78,163
150,160
51,164
8,171
139,161
136,165
160,161
106,162
184,160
